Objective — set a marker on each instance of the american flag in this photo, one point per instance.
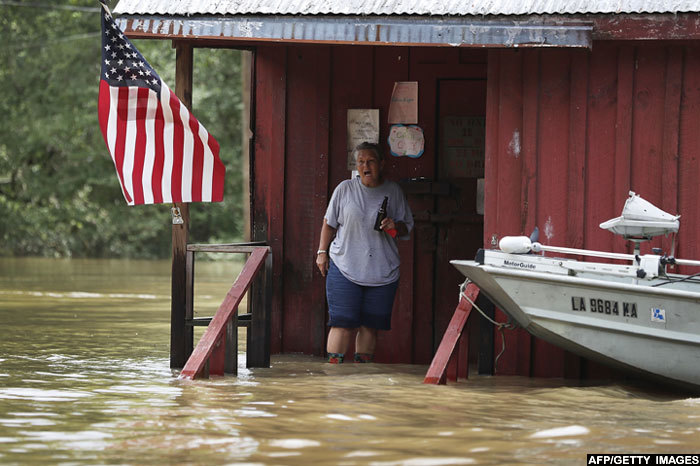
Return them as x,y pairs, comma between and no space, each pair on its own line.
160,151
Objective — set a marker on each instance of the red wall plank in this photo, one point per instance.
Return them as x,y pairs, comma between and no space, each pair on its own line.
268,170
600,193
509,143
528,192
306,175
493,84
576,178
554,118
508,362
510,181
647,127
578,109
670,154
623,137
689,148
531,95
505,102
553,145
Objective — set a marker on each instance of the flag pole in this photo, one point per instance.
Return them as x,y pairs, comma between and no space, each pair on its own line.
181,336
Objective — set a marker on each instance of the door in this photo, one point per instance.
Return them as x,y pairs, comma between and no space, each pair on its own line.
458,215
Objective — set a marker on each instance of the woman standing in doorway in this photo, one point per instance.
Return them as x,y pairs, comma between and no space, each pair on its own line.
361,264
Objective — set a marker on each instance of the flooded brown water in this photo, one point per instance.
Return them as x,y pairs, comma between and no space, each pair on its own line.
84,379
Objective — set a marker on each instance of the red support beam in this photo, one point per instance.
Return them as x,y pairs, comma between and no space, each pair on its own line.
217,360
438,370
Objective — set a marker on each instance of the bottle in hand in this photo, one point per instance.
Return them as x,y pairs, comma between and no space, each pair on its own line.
381,215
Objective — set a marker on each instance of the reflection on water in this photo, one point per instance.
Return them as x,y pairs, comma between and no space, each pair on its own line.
84,378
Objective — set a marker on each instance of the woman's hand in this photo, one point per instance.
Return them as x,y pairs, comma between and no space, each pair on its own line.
388,225
322,258
322,262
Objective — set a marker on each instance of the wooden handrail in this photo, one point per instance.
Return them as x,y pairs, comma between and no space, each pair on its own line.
211,347
228,247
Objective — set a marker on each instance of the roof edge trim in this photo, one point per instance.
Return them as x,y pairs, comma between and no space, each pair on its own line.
377,30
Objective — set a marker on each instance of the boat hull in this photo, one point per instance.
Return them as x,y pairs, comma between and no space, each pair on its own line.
653,331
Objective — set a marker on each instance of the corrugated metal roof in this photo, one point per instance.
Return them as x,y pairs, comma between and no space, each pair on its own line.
402,7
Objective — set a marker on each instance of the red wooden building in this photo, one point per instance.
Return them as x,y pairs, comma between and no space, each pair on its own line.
570,108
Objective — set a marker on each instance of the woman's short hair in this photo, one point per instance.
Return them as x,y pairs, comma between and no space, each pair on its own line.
370,146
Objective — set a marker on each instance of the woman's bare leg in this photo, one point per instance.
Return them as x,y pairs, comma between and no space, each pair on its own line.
339,339
366,340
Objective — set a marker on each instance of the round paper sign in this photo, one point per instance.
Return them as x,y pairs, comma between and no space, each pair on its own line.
406,140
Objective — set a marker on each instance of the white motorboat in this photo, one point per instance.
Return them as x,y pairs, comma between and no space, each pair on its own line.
633,315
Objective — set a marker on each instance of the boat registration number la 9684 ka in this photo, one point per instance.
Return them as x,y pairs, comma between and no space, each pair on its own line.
604,306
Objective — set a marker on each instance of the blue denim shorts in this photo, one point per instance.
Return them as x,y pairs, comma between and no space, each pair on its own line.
351,305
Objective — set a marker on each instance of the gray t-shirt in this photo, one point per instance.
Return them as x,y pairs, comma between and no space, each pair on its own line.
362,254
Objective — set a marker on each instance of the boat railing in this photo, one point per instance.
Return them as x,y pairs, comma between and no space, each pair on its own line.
645,266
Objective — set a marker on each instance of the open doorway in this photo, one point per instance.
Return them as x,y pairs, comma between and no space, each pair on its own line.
458,219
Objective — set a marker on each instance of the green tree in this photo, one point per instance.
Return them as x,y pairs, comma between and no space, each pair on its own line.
59,194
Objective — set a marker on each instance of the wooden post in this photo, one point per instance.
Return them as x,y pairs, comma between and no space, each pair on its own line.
189,302
246,139
258,344
180,334
231,349
485,362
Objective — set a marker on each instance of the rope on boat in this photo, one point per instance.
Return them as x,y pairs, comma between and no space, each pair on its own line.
499,325
670,280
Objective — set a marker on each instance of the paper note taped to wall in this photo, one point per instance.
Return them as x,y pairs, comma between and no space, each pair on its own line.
406,140
403,107
363,126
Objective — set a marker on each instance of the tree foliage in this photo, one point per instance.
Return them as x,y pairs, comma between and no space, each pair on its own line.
59,194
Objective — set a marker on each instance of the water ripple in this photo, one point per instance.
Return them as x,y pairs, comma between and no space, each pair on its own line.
36,394
568,431
293,443
81,295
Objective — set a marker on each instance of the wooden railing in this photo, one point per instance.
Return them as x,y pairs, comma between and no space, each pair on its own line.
217,351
